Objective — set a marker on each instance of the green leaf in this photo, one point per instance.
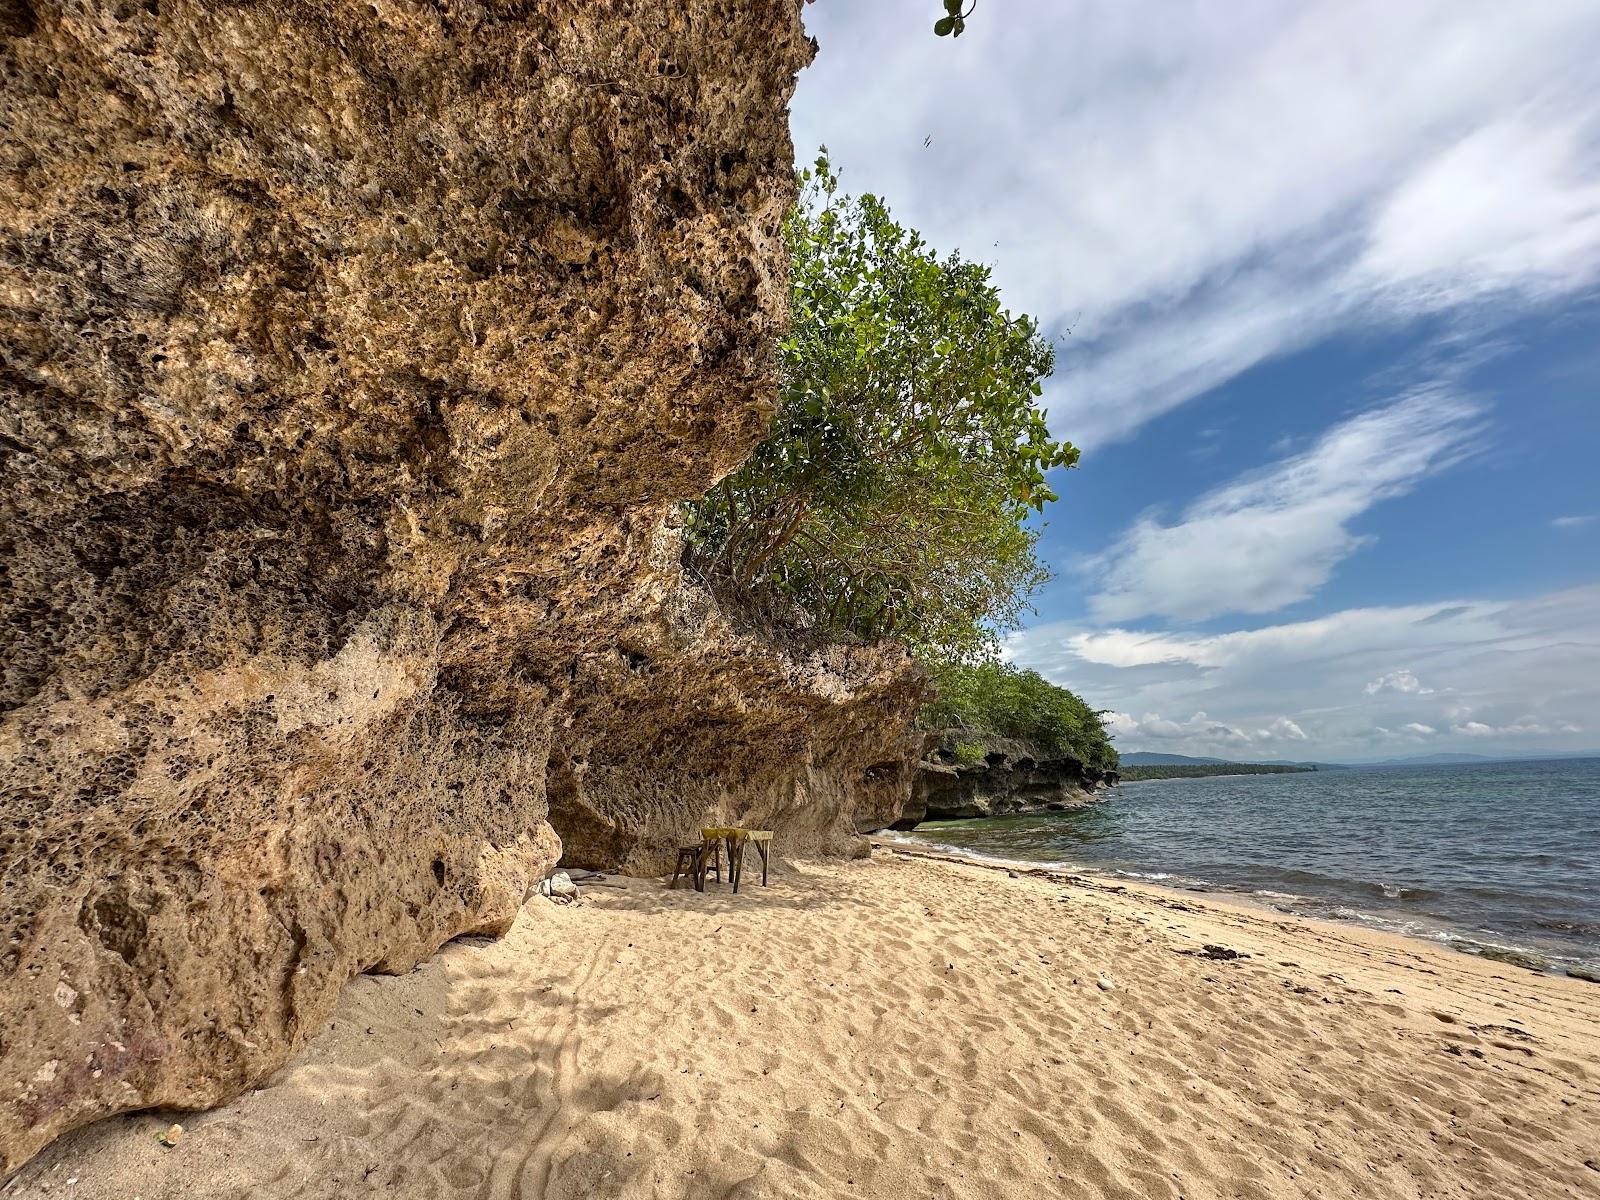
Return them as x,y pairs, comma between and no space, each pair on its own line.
959,26
953,7
944,26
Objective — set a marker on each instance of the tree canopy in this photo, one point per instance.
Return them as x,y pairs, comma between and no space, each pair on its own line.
893,493
998,698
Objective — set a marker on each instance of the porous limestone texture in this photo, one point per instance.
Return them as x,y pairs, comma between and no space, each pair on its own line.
353,357
694,723
1011,777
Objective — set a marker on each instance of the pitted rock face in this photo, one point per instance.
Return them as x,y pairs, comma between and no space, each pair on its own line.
353,357
1010,776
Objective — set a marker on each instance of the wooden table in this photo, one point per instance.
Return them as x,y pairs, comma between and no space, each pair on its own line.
762,839
735,838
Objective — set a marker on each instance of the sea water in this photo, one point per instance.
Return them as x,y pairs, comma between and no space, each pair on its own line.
1496,859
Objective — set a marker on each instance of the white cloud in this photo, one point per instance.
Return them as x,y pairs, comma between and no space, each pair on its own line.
1322,640
1154,726
1575,522
1398,681
1512,207
1527,670
1282,531
1521,728
1120,723
1192,193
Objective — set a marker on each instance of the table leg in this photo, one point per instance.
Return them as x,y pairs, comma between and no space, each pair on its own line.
762,848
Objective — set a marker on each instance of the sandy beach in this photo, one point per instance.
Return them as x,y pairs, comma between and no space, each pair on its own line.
904,1028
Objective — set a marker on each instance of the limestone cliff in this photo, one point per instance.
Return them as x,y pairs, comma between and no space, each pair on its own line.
354,357
695,721
1009,776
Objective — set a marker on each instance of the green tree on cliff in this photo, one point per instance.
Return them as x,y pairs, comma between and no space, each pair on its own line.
997,697
892,497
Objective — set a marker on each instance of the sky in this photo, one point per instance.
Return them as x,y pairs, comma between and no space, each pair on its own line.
1324,280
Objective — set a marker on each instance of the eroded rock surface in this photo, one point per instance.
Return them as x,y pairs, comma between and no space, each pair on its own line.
695,723
1009,776
353,357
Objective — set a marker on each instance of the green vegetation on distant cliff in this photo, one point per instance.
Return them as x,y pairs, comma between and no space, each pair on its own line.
1198,770
970,753
892,495
997,698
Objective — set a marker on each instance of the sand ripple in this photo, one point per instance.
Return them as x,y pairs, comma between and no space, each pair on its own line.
905,1028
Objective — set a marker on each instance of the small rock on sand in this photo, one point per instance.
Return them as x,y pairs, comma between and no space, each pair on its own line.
559,887
1104,984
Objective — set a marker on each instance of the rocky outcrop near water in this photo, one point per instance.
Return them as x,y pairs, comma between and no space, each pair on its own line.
354,359
964,775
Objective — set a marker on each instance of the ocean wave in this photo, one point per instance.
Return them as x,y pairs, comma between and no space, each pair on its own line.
1585,928
1399,891
1285,897
1511,953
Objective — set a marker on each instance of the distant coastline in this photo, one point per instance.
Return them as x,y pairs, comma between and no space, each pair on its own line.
1137,772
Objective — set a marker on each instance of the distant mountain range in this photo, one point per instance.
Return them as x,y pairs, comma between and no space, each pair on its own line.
1146,758
1429,760
1149,758
1445,760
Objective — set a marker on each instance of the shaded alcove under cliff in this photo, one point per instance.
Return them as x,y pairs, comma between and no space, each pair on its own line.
815,744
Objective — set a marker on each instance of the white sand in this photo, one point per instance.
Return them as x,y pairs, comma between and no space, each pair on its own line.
905,1028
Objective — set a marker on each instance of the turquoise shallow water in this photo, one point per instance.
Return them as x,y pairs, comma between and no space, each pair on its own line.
1500,859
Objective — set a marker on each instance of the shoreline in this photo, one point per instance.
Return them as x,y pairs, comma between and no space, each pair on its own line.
1503,954
1440,931
1245,902
903,1026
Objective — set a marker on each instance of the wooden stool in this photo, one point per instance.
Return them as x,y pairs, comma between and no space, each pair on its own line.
694,858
